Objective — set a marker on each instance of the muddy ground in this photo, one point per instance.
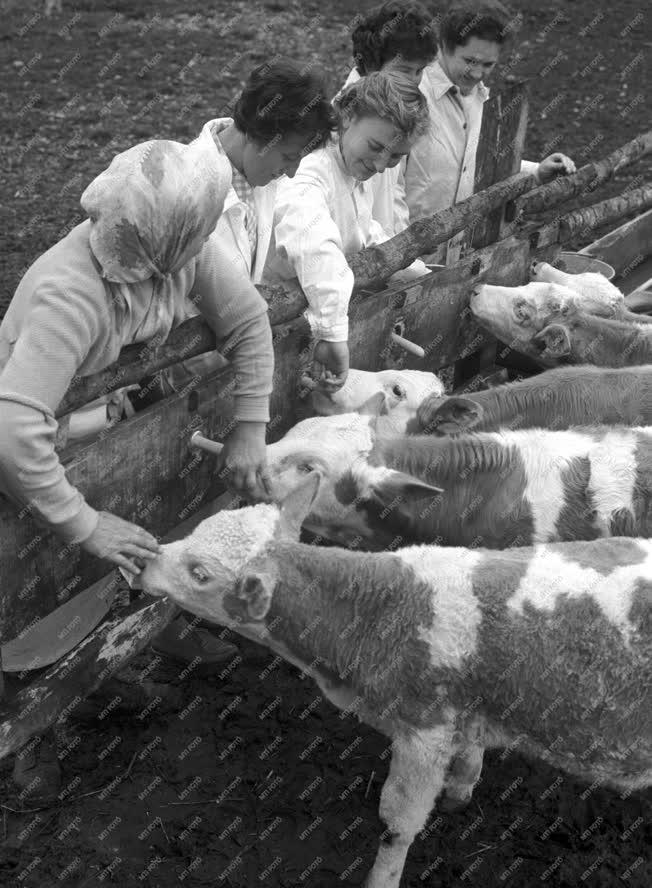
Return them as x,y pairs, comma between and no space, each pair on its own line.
249,778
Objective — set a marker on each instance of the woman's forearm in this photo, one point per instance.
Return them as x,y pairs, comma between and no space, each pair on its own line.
31,473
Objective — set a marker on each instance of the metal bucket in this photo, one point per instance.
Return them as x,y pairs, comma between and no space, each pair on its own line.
577,263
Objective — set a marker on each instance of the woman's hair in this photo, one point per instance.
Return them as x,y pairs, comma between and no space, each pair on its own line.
282,98
484,19
392,97
394,28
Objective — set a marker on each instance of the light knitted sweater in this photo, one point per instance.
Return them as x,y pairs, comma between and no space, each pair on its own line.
65,320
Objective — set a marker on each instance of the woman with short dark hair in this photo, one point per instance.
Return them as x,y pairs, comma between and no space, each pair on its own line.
281,115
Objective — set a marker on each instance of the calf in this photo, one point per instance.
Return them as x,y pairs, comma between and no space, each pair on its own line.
597,295
566,334
556,399
445,651
580,338
490,489
401,390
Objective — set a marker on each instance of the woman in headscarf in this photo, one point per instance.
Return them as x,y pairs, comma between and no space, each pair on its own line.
126,275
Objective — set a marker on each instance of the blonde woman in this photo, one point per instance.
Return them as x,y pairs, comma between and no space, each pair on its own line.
397,37
325,213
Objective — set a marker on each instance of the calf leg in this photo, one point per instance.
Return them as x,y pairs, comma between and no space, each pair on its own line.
416,776
466,766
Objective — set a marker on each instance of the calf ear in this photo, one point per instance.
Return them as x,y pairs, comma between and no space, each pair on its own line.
296,506
455,415
553,341
390,487
376,405
256,589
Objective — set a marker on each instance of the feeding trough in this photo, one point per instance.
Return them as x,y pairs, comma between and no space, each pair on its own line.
577,263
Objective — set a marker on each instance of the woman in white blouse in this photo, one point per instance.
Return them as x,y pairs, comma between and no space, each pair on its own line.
440,171
324,213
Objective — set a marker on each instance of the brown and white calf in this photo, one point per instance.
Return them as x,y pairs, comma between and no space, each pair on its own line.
564,332
567,335
580,338
445,651
492,489
556,399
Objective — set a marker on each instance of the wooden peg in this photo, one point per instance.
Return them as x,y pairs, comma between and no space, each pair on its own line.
404,343
199,442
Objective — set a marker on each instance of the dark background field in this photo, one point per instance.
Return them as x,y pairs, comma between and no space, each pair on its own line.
78,88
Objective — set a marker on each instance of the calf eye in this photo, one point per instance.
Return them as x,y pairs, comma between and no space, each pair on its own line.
521,311
305,468
199,573
398,391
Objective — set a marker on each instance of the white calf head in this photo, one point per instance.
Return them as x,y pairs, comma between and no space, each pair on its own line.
337,449
596,294
329,446
404,389
516,314
220,571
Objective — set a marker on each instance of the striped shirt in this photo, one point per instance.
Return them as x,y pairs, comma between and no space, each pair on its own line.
246,194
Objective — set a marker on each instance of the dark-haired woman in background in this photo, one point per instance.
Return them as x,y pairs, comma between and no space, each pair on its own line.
395,37
282,114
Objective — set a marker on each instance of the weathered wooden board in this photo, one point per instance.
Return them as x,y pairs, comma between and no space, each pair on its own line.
586,179
142,470
500,149
626,247
291,345
582,222
125,633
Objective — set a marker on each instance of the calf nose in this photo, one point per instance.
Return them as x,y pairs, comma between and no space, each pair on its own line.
533,267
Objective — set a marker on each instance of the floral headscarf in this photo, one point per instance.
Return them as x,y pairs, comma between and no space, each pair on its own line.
154,206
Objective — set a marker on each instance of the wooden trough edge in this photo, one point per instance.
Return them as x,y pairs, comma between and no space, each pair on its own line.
122,635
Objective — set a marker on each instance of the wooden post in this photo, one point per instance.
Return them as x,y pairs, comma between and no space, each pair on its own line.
500,149
504,123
